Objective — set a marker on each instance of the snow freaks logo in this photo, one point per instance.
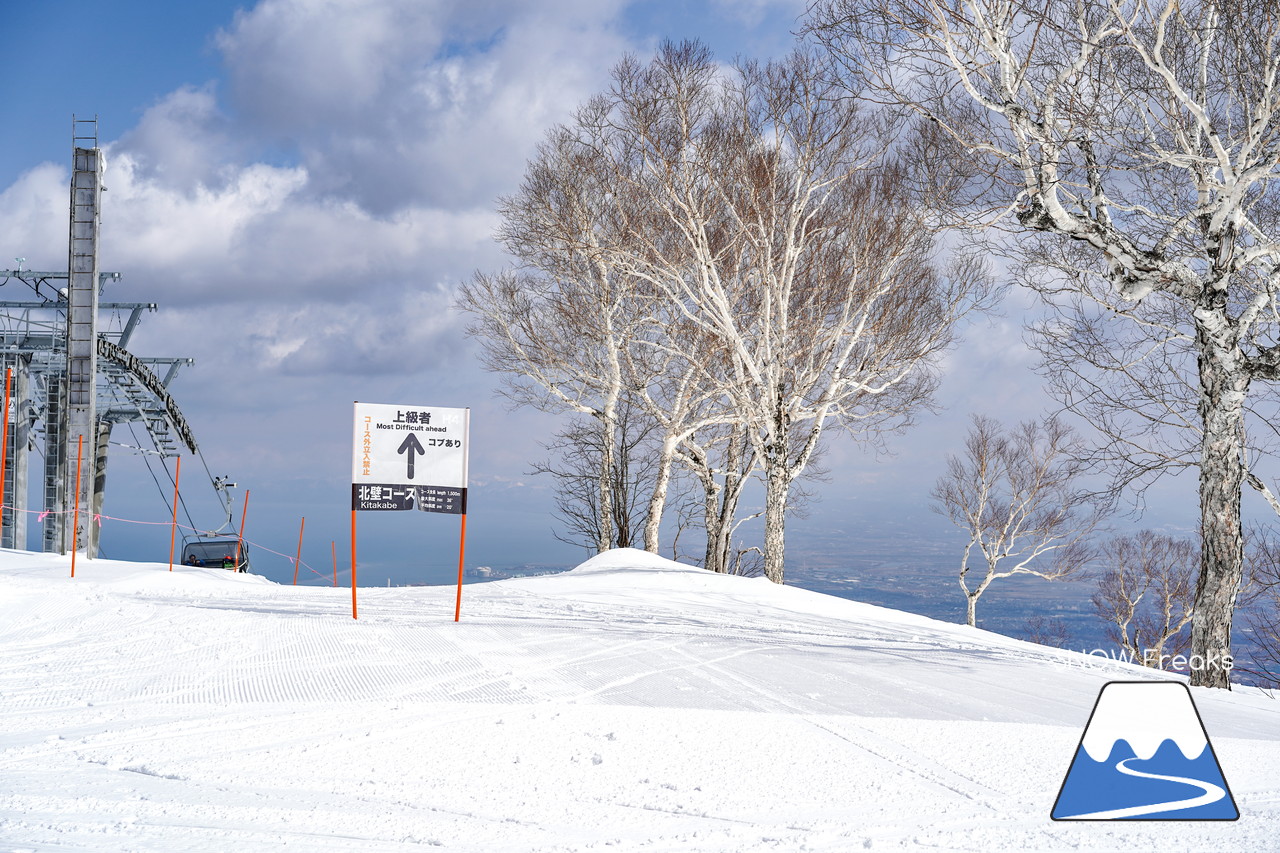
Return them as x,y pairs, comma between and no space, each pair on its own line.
1144,755
1151,658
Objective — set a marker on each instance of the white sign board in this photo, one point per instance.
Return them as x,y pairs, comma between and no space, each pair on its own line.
410,457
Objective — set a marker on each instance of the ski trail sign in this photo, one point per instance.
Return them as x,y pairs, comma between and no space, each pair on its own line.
1145,755
410,457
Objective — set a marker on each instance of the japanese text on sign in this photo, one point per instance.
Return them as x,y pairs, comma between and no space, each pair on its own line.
409,458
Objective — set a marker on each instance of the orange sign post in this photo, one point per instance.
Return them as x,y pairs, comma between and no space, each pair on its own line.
353,564
298,561
75,515
240,541
462,547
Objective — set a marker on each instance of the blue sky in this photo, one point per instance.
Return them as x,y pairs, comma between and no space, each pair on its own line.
301,186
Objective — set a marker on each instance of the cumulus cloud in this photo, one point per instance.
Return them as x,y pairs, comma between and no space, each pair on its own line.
344,173
183,141
404,333
187,233
258,235
393,103
33,219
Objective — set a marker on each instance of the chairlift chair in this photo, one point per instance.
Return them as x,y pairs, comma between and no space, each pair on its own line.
216,553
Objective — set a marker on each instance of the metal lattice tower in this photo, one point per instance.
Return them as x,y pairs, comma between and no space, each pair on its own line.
74,376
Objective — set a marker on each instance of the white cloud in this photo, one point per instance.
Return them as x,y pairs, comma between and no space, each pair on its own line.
340,257
395,103
751,12
33,220
188,235
183,141
259,235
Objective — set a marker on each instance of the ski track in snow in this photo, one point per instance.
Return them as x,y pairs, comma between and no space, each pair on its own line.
635,707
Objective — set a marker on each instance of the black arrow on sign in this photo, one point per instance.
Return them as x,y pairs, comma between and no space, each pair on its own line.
410,446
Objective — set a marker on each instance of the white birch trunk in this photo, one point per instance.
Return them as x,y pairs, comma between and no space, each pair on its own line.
658,500
777,488
1223,387
608,449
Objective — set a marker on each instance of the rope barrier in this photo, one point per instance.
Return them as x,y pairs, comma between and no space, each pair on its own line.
41,515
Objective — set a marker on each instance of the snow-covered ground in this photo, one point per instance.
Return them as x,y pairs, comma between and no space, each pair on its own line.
631,704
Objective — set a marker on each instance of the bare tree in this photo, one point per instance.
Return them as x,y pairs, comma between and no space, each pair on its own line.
1145,595
766,228
1017,497
558,328
1140,140
1264,616
682,393
556,342
722,460
732,250
575,465
1049,631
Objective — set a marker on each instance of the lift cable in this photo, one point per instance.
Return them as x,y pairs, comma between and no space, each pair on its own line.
163,494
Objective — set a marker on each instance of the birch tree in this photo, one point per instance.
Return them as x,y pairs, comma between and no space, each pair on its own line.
1016,495
1139,141
722,460
575,467
1145,595
1264,621
682,394
556,344
775,226
557,327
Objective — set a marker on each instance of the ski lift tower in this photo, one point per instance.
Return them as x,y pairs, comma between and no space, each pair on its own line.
74,378
82,324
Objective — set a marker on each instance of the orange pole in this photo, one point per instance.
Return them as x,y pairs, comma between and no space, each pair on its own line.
298,562
240,542
462,546
353,564
333,546
75,524
4,445
173,531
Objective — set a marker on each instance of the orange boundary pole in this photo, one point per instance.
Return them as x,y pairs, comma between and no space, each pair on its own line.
333,546
353,565
462,547
298,562
75,524
173,531
462,533
240,542
4,446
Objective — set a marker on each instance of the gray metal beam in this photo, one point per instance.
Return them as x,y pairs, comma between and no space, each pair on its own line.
132,323
60,275
81,439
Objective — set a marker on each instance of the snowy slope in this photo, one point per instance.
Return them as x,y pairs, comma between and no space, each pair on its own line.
632,704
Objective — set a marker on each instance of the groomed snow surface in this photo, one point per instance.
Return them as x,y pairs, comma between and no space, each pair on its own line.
631,704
